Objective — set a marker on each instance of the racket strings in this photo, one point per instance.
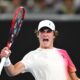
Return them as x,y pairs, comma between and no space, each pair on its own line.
17,23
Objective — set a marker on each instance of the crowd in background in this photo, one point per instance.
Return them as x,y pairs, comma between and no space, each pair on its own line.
42,6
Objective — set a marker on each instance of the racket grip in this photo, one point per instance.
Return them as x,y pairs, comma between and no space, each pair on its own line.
3,60
9,44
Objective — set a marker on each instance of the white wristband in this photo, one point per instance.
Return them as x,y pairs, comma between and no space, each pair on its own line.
7,63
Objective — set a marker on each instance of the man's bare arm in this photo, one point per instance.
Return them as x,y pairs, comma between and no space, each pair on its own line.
13,70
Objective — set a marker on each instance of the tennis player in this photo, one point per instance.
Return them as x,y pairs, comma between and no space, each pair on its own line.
46,62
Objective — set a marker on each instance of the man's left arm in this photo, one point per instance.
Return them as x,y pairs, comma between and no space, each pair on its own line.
74,76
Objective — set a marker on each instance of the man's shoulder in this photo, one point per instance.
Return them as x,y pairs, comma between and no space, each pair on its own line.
61,50
33,51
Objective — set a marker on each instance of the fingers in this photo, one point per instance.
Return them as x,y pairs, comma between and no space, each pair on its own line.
5,52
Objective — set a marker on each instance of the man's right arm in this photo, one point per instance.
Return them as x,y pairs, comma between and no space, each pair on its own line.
13,70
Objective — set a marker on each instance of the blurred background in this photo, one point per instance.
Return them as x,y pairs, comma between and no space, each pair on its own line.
64,13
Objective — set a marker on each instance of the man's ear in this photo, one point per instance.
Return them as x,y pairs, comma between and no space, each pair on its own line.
53,37
37,33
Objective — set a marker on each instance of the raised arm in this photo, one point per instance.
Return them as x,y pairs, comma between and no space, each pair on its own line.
11,69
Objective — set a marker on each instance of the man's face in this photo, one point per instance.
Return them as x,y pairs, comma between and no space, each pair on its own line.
46,37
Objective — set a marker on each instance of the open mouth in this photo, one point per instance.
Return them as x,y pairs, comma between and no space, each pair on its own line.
46,40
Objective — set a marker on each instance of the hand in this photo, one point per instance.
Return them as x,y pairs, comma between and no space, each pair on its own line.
5,52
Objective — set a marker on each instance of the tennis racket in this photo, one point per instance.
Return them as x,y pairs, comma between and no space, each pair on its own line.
14,30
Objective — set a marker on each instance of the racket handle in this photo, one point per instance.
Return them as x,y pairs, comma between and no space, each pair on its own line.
2,64
9,44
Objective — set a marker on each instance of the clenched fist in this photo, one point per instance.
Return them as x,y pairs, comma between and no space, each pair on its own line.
5,52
